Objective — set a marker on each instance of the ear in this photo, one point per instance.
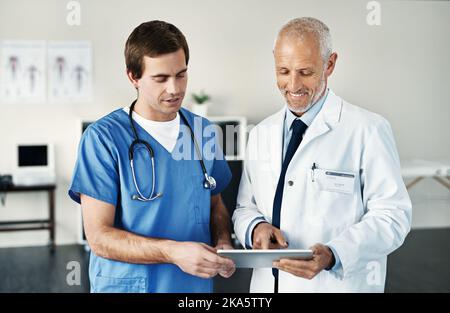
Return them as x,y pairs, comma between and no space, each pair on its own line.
134,81
331,63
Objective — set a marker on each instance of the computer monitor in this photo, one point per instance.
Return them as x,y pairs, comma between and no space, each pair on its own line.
33,155
35,164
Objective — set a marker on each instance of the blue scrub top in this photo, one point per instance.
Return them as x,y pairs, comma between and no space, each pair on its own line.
103,172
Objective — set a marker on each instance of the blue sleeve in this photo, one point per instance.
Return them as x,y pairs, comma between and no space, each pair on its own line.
96,171
222,174
220,170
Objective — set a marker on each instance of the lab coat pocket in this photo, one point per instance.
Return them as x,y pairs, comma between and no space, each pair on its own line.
334,180
334,198
119,285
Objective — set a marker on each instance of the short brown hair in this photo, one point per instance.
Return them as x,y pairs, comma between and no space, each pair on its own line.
152,39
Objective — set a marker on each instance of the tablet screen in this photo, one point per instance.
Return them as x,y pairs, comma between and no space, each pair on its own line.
263,258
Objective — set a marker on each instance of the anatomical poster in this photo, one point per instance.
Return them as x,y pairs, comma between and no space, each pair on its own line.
69,71
22,71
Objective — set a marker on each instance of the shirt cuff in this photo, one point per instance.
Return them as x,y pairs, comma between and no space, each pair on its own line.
337,261
248,234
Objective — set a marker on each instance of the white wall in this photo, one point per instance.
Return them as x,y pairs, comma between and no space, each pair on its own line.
398,69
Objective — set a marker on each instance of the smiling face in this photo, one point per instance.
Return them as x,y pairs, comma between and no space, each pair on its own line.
301,72
162,86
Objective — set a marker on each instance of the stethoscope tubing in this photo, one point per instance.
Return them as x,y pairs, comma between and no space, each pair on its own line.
209,182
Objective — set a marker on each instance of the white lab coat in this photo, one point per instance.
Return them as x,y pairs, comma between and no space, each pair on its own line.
362,226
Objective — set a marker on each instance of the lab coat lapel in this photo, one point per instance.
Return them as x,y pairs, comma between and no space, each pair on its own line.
324,121
275,144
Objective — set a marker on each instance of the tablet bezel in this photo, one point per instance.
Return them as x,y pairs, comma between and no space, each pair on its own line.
264,258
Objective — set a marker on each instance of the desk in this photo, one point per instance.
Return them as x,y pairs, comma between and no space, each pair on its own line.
47,224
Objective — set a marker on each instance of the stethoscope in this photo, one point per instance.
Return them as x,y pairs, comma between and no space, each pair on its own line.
209,182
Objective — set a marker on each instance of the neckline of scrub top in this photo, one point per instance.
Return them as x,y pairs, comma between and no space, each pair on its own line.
165,132
142,130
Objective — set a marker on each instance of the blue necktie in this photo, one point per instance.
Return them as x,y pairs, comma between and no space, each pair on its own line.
298,128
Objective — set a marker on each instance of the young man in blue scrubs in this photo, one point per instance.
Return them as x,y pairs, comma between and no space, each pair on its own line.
167,243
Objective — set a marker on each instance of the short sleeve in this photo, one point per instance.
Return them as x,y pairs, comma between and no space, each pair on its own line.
96,171
220,171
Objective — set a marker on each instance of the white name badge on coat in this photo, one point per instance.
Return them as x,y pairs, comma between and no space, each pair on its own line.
337,181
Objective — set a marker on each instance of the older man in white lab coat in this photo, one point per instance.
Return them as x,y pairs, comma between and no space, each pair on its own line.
320,173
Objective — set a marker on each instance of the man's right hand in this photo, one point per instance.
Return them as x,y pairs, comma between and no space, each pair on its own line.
198,259
267,236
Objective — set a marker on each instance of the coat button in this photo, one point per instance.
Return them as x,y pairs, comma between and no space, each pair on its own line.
290,183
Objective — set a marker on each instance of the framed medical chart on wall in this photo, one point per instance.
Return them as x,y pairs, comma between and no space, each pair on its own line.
70,74
22,71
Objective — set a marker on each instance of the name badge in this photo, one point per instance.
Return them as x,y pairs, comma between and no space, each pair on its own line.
336,181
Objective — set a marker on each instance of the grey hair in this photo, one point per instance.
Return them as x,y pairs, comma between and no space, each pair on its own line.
298,27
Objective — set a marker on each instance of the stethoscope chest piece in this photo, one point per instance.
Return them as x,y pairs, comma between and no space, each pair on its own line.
210,182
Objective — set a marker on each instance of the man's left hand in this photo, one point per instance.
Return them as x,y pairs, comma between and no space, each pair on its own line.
322,258
225,245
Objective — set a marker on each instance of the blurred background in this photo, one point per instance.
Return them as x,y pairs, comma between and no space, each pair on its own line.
62,67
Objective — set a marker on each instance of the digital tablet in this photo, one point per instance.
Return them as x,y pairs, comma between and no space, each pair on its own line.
263,258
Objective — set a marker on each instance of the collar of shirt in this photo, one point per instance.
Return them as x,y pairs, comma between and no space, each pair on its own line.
309,115
306,118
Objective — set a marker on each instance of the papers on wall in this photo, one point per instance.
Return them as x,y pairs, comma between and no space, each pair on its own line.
23,72
36,71
69,71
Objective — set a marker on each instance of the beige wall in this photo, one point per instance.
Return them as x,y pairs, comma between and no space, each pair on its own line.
399,69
